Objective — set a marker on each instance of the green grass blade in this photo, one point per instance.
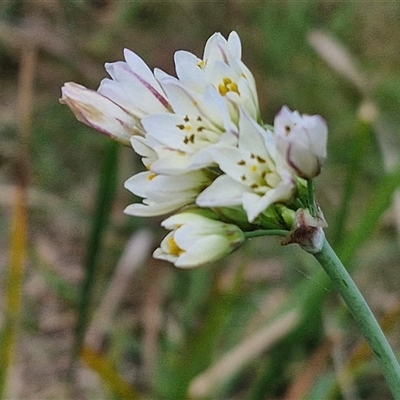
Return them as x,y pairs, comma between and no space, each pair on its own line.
380,201
105,196
362,138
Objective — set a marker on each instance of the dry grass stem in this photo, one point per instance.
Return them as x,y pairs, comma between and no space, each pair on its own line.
205,383
337,56
134,256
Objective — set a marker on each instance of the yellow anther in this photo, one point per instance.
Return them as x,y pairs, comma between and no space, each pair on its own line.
223,90
227,86
202,64
174,249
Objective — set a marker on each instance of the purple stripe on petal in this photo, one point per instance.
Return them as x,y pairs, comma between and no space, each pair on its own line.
150,88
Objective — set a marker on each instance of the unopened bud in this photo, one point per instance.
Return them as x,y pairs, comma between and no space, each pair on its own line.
302,141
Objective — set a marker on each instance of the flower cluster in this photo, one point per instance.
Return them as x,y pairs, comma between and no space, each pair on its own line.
208,156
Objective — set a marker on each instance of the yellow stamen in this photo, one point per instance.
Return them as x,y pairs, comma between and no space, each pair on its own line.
228,86
201,64
174,249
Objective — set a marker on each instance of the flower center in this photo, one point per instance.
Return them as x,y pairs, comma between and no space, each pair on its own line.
196,134
227,86
258,174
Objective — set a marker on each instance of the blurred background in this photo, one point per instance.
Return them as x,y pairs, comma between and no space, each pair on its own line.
86,313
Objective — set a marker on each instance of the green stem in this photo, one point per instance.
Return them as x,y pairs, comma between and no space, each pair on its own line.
266,232
363,315
311,198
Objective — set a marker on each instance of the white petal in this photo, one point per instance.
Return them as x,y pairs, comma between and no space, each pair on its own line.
116,92
251,136
165,129
217,49
176,220
223,192
285,118
137,65
248,100
229,160
210,248
235,45
251,204
318,134
187,102
176,184
301,159
160,254
159,74
141,147
187,67
171,162
137,184
254,207
141,96
152,210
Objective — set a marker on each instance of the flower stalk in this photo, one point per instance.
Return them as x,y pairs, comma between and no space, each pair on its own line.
311,198
363,315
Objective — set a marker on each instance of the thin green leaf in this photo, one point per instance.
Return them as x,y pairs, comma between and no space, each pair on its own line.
105,196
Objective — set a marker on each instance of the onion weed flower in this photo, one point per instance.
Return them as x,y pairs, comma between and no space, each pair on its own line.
211,161
201,137
196,240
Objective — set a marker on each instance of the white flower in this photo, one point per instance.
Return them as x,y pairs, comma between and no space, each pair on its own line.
180,140
164,193
161,192
222,68
302,141
99,112
252,178
200,136
197,240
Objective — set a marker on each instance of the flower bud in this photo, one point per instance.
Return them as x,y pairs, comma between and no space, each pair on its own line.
302,141
99,112
196,240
